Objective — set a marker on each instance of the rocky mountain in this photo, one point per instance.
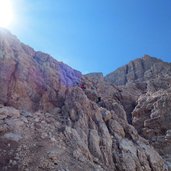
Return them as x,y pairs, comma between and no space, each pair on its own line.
147,81
139,70
53,118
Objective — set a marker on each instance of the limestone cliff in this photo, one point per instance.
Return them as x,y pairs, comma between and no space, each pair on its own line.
54,118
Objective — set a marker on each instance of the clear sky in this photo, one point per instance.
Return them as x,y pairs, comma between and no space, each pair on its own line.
95,35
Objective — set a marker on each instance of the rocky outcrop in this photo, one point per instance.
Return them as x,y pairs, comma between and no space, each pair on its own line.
53,118
139,70
152,118
145,96
77,139
32,80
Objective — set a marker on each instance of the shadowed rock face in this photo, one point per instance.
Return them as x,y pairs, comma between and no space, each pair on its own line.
48,122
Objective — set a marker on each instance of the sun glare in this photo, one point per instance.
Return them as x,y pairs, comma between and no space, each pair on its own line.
6,13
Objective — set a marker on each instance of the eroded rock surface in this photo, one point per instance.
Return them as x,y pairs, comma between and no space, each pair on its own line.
146,97
32,80
48,121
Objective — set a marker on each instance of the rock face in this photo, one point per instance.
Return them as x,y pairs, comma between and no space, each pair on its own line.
54,118
152,118
139,70
32,80
148,84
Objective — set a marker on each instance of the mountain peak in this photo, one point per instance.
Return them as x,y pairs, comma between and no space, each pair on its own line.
147,58
134,70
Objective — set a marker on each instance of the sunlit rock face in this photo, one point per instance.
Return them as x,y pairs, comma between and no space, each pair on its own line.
139,70
53,118
32,80
147,84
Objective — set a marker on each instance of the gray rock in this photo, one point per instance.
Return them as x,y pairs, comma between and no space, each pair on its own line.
65,126
13,136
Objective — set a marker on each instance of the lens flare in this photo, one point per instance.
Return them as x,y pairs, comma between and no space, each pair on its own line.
6,13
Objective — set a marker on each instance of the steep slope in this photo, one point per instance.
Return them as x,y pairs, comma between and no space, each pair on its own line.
31,80
139,70
150,92
48,122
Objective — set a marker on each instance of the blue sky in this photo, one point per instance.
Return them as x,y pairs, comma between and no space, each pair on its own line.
95,35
